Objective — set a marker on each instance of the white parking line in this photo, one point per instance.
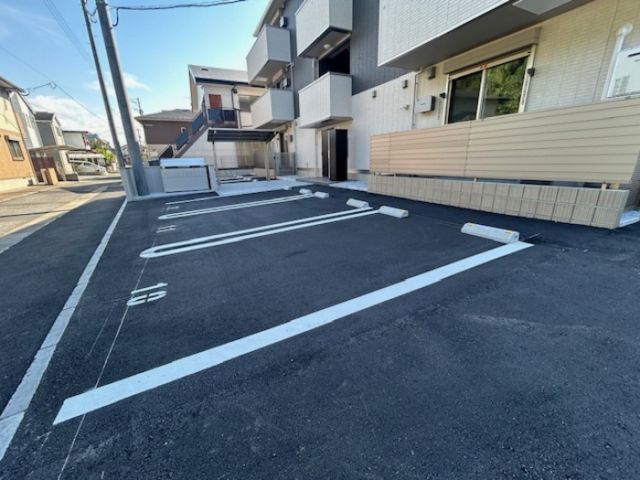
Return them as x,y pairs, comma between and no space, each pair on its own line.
224,208
196,240
14,411
241,235
128,387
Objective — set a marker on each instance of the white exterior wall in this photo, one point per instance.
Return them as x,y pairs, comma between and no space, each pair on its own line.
229,99
575,51
314,17
307,151
407,23
382,114
228,154
32,135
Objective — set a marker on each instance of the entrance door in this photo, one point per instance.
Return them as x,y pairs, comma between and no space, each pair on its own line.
325,153
335,154
215,101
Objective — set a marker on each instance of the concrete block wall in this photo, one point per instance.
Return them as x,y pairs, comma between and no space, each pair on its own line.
577,205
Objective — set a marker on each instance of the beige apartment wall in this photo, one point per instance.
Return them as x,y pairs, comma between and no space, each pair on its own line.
571,59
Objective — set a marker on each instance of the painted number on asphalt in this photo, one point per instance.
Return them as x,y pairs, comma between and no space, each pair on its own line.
147,294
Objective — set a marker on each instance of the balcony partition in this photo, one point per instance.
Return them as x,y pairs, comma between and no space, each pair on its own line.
274,108
321,25
325,101
270,52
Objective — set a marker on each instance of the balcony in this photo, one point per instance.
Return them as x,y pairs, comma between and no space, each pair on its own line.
270,52
325,101
321,25
222,117
272,109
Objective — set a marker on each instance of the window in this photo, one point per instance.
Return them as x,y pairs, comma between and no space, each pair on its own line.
497,88
14,148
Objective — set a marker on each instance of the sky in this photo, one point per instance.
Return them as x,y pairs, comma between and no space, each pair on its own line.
155,48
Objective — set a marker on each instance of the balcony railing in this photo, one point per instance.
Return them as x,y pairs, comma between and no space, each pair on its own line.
198,123
222,117
270,52
182,139
274,108
325,101
321,25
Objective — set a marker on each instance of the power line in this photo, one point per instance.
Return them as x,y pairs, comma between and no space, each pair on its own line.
40,72
215,3
66,29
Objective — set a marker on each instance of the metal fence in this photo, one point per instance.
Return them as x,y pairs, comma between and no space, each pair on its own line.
284,163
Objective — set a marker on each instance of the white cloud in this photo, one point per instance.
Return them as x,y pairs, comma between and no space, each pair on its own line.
132,82
95,86
73,117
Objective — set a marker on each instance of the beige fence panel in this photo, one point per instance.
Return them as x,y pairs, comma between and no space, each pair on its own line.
598,142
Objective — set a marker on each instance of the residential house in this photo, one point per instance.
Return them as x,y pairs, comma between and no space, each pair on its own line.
15,163
162,129
82,153
515,106
54,146
77,139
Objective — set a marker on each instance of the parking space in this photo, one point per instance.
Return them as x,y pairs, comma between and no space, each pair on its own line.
330,343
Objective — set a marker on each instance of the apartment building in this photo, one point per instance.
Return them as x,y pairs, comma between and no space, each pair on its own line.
515,106
15,163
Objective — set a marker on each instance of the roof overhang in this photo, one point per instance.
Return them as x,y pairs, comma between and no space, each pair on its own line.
240,135
496,23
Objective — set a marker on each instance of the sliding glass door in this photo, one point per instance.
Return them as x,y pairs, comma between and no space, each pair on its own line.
489,90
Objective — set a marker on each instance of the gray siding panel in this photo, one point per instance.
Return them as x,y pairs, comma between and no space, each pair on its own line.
303,69
364,48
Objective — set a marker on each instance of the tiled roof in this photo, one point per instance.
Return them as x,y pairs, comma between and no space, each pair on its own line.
177,115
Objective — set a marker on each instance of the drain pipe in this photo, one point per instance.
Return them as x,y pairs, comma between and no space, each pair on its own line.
623,31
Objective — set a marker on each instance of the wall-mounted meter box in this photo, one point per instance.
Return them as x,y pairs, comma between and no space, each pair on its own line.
626,74
426,104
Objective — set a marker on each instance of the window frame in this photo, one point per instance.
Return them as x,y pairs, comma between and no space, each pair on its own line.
11,143
528,53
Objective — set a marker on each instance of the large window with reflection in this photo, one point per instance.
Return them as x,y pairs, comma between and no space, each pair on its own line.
489,90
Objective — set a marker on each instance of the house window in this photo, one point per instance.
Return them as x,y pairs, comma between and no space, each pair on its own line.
497,88
14,148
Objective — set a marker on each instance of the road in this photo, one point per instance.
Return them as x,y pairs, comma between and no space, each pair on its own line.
302,338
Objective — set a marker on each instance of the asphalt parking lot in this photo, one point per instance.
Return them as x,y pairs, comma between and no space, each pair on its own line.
522,366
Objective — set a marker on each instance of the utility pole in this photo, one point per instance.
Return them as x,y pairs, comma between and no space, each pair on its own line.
105,98
140,112
121,95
